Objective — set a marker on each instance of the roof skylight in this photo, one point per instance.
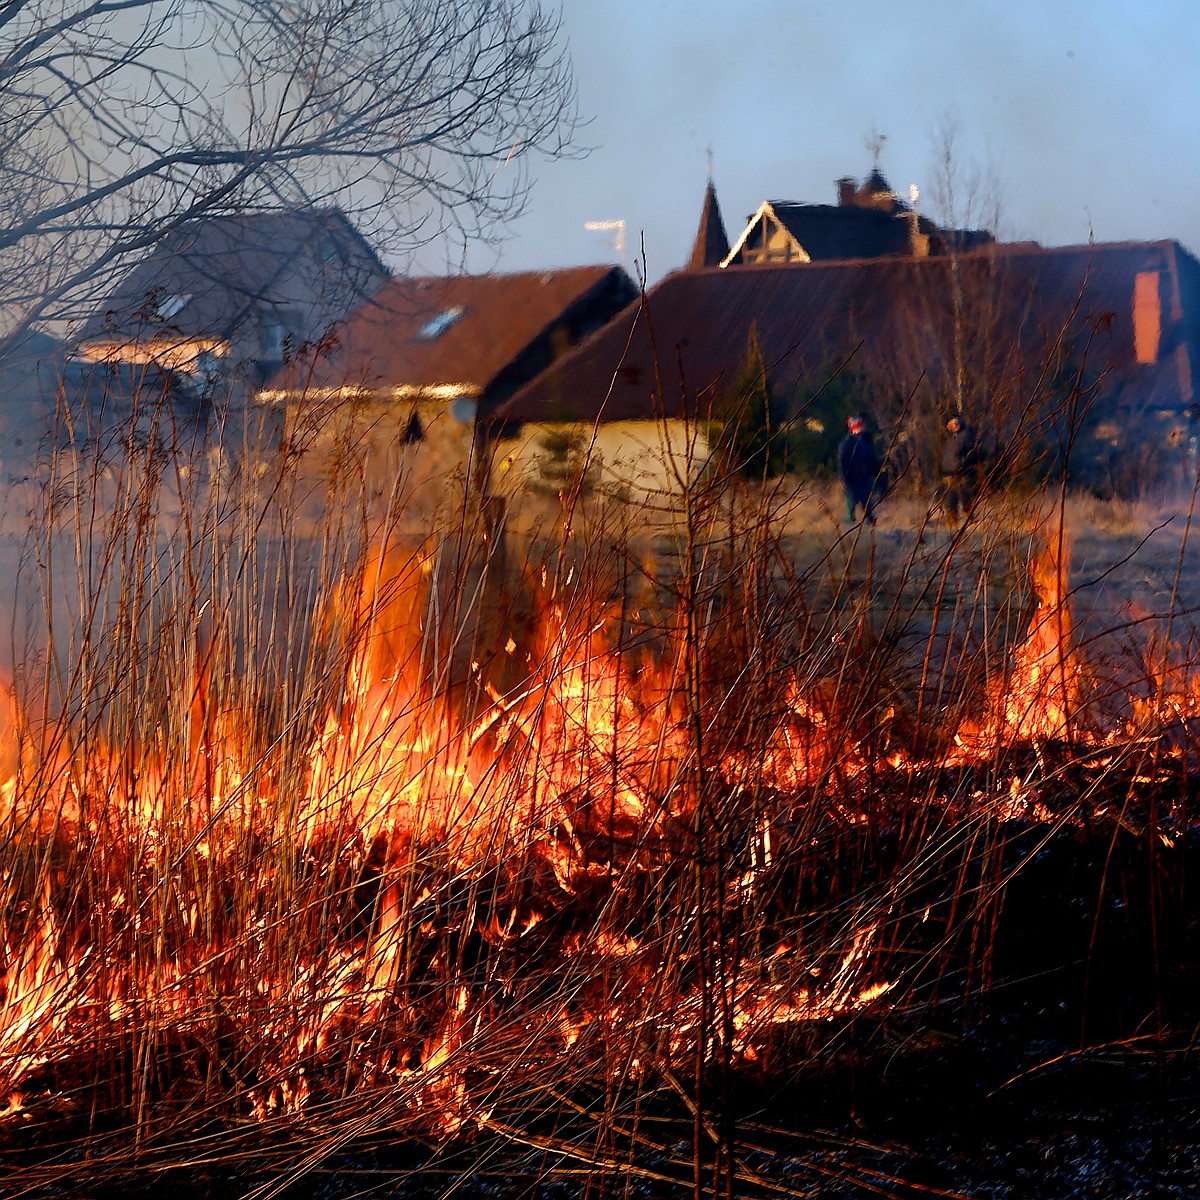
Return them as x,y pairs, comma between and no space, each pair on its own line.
438,325
168,306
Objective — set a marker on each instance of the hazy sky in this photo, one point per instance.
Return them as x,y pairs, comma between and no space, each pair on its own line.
1086,112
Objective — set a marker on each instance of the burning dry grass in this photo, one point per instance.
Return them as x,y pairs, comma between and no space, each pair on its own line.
368,837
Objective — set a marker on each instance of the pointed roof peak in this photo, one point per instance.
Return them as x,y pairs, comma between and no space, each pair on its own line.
877,181
712,242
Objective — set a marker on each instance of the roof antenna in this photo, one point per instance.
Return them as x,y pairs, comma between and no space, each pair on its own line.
708,151
617,228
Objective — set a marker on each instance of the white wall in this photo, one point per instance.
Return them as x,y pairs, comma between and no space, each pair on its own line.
626,458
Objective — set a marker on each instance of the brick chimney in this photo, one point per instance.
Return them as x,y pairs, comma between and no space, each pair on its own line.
918,242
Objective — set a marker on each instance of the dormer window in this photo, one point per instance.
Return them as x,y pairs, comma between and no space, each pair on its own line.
770,242
438,325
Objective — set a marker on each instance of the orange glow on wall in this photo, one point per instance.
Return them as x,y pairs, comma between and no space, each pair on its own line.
174,353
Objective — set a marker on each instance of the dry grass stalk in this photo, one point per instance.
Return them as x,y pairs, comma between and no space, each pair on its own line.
319,822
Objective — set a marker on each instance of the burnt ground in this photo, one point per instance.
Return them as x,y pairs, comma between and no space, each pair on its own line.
1060,1061
1075,1073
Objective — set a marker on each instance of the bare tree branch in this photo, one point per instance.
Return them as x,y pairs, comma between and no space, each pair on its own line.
120,119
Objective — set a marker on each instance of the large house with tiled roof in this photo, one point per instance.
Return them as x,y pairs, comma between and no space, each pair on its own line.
1085,353
1025,339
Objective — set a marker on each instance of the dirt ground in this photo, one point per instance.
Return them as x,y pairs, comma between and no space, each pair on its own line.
1132,571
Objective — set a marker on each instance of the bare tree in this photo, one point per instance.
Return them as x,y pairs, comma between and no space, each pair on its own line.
120,119
965,194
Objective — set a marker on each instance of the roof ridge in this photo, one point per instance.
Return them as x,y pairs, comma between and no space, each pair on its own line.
514,274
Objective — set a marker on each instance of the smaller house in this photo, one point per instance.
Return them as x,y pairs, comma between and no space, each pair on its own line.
868,221
31,366
419,372
52,404
226,298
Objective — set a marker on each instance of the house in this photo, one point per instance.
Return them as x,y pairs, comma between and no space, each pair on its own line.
426,363
31,368
1024,339
227,298
625,437
54,404
868,221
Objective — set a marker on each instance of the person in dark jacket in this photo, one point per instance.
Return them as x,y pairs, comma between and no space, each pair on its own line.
858,469
958,469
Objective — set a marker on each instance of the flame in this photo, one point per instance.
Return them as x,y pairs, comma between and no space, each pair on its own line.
39,986
1042,696
448,800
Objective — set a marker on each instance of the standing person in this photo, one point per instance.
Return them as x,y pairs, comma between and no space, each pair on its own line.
958,465
858,469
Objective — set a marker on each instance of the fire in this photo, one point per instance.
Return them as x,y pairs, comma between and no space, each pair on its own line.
457,868
1041,696
37,977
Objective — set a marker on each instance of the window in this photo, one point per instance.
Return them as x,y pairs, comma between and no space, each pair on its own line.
273,335
277,334
170,306
206,367
438,325
413,432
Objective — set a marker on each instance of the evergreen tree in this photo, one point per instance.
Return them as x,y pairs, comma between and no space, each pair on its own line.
754,435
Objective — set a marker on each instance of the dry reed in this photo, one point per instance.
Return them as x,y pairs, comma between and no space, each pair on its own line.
323,834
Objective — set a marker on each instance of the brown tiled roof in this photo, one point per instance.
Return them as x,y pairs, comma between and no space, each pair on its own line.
221,268
893,314
712,242
463,329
